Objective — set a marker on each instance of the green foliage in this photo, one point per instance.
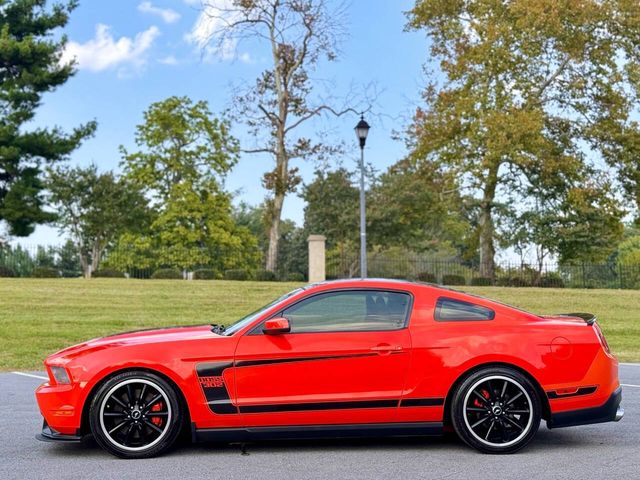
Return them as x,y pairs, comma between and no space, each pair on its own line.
513,280
551,280
184,157
451,279
265,276
236,274
206,274
427,277
107,273
45,272
295,277
535,95
332,207
6,272
481,281
95,209
167,274
30,51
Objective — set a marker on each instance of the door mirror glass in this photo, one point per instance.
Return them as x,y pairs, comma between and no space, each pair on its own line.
276,326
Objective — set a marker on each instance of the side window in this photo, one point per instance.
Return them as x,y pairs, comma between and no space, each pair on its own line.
450,310
349,311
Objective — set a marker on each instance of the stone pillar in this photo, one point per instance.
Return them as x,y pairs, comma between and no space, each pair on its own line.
316,258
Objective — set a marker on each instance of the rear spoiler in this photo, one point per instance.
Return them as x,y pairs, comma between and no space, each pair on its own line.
589,318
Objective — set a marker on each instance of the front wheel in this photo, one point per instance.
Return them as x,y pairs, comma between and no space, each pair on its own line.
496,410
135,414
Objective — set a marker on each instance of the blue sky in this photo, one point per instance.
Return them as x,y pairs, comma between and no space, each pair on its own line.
132,53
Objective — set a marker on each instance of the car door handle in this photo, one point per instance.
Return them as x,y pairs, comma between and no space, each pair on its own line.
386,348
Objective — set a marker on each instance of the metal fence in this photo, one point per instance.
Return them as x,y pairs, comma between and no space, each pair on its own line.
423,268
20,261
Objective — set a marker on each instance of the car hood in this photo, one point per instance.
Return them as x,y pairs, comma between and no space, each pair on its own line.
158,335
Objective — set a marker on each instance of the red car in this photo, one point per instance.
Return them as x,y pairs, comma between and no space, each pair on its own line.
336,359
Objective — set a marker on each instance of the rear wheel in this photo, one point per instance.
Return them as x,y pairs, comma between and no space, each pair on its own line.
496,410
136,414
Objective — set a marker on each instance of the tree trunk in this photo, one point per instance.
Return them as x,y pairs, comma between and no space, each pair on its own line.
84,263
274,232
487,248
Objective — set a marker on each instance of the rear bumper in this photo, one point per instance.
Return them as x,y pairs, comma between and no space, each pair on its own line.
610,411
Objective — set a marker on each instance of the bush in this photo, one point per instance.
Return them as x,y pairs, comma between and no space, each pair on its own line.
551,280
45,272
265,276
236,274
71,273
453,280
107,273
7,272
295,277
206,274
427,277
513,281
481,281
167,274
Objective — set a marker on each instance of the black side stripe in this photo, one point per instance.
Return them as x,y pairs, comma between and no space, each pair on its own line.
422,402
581,391
301,407
270,361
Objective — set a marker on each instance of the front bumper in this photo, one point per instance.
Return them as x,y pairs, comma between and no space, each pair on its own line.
48,434
610,411
61,408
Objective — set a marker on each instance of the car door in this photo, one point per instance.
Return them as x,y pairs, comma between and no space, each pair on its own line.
344,361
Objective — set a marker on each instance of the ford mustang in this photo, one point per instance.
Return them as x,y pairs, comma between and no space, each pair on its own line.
338,359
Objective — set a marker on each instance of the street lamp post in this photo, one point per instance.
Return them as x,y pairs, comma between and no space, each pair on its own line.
362,129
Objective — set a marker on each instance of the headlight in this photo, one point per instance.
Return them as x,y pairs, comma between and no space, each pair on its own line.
60,375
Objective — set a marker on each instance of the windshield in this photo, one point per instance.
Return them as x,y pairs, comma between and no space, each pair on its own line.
239,324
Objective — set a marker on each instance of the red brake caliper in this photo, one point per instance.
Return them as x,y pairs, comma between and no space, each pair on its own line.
157,421
478,403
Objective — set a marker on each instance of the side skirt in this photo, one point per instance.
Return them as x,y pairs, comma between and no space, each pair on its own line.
417,429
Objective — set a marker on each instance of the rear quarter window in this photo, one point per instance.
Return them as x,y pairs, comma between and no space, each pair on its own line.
452,310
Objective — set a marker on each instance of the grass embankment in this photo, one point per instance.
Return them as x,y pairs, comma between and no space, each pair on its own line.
39,316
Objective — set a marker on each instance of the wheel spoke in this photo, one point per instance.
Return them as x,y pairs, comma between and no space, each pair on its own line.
481,421
128,436
513,399
152,402
514,423
142,392
517,411
493,422
481,397
504,390
115,414
153,426
118,401
129,394
157,414
117,427
476,409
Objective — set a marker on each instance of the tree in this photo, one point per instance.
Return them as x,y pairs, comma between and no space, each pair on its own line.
184,157
332,208
95,209
299,34
29,67
532,89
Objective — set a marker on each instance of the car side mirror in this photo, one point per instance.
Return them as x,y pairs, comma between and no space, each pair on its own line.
276,326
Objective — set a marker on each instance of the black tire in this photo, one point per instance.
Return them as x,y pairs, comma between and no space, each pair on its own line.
136,414
496,410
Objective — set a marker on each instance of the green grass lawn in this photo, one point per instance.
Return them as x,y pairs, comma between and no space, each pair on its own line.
40,316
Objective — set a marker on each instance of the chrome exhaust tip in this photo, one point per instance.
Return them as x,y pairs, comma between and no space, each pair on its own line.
619,414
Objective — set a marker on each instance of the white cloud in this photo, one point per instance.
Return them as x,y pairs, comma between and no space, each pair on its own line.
205,33
104,51
168,15
168,60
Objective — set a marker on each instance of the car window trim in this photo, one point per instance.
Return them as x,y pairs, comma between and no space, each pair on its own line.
257,330
444,320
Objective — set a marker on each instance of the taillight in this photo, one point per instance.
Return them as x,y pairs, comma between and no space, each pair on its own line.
603,340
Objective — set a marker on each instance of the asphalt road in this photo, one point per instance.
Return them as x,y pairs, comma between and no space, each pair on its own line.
610,450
